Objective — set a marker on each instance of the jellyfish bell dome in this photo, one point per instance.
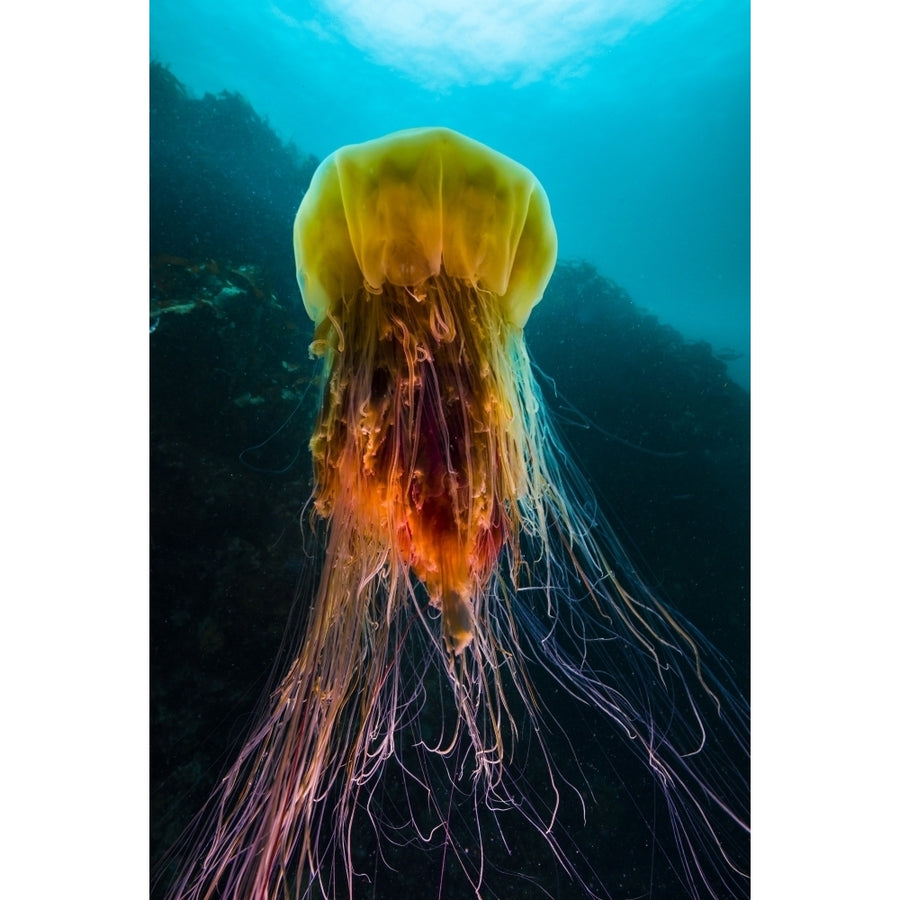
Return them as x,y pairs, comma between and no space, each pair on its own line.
401,208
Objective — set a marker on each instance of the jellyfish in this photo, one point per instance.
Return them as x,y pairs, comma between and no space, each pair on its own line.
462,559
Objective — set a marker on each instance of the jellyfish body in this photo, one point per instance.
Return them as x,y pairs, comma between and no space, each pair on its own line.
419,257
458,544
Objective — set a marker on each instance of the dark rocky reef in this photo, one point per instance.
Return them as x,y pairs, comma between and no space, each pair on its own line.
222,184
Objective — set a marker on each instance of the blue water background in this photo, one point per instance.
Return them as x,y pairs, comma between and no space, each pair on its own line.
634,116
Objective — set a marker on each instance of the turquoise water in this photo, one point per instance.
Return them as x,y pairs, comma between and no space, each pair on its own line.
635,116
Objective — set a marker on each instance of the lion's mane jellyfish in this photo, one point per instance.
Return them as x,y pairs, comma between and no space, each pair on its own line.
462,557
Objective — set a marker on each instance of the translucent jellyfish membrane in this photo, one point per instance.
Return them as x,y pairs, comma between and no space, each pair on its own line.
461,549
